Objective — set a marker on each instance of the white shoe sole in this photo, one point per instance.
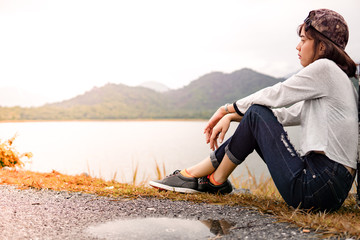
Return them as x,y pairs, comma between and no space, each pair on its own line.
169,188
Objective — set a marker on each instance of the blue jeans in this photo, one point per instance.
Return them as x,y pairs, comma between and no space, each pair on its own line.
310,181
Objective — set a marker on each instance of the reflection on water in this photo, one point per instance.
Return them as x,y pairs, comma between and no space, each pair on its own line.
218,227
160,228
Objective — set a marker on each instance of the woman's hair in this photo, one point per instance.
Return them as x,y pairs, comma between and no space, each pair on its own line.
332,51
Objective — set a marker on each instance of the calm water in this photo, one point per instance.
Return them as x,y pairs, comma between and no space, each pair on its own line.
105,149
160,228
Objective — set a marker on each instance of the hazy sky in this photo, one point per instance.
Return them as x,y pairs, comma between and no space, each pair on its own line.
59,49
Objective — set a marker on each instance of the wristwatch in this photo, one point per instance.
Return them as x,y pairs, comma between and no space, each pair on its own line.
226,108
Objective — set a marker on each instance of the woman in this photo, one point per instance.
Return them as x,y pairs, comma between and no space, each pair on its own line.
320,98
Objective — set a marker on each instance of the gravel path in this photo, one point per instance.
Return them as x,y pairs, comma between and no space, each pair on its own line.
45,214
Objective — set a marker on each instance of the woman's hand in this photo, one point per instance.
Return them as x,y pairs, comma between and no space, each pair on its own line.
219,114
219,131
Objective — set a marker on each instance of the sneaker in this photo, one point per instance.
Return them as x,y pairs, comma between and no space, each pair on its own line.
204,185
176,182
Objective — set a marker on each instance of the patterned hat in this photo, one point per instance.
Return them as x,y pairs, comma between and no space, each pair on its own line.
330,24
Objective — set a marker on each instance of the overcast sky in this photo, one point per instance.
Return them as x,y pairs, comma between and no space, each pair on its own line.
59,49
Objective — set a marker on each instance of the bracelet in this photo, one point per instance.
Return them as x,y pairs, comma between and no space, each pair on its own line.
226,108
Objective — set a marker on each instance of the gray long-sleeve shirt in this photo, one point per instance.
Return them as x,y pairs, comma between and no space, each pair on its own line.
323,101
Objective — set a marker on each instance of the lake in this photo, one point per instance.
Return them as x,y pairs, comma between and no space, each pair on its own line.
113,149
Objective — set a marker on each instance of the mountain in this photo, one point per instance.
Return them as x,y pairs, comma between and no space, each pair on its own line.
156,86
199,99
216,88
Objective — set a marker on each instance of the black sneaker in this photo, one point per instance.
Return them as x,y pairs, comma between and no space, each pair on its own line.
204,185
176,182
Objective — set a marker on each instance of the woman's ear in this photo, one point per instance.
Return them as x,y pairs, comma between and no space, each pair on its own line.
322,48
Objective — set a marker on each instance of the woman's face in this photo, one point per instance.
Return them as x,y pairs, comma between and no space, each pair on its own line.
306,49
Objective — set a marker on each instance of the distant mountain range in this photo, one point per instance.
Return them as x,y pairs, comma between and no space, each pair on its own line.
199,99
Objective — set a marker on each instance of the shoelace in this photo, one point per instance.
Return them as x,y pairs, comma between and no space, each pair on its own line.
203,179
174,173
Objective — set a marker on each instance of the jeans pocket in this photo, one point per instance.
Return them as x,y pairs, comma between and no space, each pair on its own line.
328,197
342,181
327,183
325,192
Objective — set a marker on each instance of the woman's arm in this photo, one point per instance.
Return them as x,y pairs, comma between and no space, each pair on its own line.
311,82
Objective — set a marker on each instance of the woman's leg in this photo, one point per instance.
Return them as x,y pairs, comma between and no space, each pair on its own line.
224,170
203,168
209,164
259,130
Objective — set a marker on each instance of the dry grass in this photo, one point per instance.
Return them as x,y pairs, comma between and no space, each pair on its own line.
160,174
9,157
265,199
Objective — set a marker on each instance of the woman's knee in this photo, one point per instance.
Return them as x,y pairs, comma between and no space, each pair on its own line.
258,110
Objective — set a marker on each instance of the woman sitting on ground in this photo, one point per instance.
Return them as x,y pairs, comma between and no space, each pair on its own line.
320,98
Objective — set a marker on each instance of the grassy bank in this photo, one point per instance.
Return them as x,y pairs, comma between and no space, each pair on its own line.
264,198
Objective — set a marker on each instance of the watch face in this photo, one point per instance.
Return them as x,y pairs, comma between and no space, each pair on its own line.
226,108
